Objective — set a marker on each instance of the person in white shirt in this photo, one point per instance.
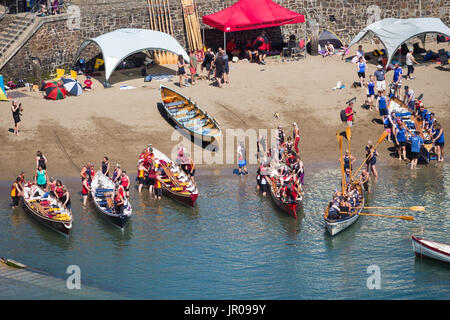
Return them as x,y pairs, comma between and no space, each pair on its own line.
409,63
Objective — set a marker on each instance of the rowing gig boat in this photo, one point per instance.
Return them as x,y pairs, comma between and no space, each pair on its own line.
47,209
334,226
286,206
176,184
431,249
102,193
187,115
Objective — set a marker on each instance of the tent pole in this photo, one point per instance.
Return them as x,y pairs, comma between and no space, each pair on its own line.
224,40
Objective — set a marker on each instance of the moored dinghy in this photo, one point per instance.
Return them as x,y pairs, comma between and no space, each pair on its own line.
47,209
102,192
187,115
431,249
175,182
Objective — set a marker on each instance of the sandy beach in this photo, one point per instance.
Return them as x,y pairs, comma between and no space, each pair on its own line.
120,123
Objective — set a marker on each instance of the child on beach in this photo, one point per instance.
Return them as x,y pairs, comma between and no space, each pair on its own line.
88,85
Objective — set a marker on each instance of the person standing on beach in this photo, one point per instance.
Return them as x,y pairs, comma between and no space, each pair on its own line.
409,63
397,80
207,63
227,66
181,71
242,162
409,98
382,104
16,109
219,63
380,76
400,139
349,114
361,67
370,92
438,141
41,160
193,62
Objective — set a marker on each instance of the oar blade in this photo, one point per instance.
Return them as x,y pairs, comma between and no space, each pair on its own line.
417,208
382,137
348,132
410,218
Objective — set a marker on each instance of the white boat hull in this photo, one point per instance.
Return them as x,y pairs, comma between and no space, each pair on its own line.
336,227
431,249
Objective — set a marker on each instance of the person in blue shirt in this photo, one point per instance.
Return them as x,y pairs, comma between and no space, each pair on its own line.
370,92
429,121
361,67
398,75
439,142
382,104
400,139
416,144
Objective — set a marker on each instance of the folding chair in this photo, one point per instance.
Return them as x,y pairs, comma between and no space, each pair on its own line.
73,74
59,74
289,51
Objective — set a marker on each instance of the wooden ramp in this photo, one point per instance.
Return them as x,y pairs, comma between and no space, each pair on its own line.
27,284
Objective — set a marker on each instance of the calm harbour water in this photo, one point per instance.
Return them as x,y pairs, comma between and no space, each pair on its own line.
237,245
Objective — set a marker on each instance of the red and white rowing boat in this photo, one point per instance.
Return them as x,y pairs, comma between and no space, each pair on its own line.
431,249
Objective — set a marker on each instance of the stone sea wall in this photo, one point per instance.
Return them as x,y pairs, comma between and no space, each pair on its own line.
56,43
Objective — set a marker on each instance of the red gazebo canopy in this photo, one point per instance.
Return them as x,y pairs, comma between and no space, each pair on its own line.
252,14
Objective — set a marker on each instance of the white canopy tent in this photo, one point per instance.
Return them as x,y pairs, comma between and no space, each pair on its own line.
394,32
121,43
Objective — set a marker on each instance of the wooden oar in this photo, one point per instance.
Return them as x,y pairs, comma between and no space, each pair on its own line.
380,139
387,216
344,187
383,215
348,132
413,208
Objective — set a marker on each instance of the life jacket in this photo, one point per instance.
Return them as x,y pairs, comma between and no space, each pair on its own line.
59,191
13,190
125,181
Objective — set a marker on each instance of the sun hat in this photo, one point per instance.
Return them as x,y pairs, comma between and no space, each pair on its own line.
379,66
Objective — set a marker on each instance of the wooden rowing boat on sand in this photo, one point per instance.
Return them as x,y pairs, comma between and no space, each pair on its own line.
334,226
47,209
176,183
187,115
431,249
102,193
285,205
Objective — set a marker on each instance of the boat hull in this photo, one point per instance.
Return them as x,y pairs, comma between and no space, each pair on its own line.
335,226
290,208
207,134
431,249
59,226
188,200
116,219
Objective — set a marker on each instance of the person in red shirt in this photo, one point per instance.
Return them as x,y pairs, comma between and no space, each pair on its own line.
349,113
232,48
88,83
125,181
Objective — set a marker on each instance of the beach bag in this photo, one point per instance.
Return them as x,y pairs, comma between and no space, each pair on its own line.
343,115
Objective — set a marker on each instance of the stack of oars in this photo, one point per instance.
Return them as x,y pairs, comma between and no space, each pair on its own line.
191,22
160,20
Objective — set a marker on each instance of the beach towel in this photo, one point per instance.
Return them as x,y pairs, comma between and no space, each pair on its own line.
127,87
